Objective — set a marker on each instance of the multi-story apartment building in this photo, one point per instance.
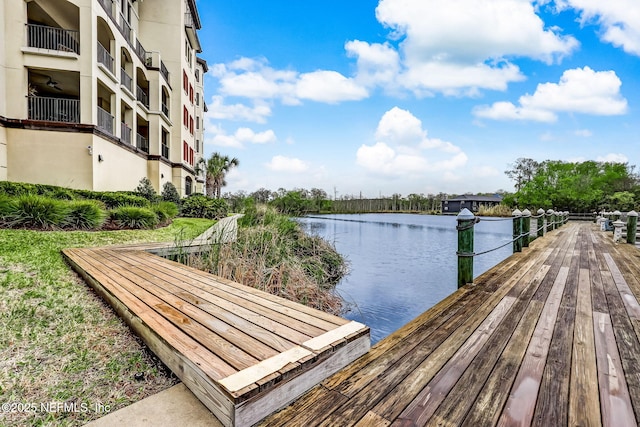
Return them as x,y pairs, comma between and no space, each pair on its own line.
97,94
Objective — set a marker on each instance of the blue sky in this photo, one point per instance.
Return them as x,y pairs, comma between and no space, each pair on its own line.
417,96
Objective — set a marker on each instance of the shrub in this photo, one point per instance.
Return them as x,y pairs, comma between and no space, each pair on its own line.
145,189
5,203
85,215
201,206
170,193
165,211
133,217
36,212
114,200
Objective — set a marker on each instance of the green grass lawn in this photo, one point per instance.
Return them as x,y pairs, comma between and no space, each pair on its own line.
63,351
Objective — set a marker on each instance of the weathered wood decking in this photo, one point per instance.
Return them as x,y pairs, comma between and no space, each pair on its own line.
549,337
243,352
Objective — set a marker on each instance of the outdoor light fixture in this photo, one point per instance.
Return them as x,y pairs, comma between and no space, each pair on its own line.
100,159
90,148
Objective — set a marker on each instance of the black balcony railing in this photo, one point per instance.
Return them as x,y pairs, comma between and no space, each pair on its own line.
105,121
124,27
126,80
125,133
165,151
107,5
105,58
44,37
141,52
164,71
54,109
142,143
142,96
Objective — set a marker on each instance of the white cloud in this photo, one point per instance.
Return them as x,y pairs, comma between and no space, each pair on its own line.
613,158
287,164
619,19
217,136
254,79
459,47
402,148
586,133
237,112
486,171
580,90
328,86
377,63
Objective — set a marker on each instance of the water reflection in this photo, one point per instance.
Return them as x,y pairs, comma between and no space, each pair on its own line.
402,264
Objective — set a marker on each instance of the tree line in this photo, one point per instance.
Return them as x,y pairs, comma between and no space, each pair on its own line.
587,186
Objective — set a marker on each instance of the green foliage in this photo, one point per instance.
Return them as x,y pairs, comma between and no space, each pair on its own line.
622,200
170,193
33,211
118,199
85,215
576,187
145,189
133,217
201,206
165,211
292,203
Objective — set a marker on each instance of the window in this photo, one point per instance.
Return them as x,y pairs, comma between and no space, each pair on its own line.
191,156
185,116
165,143
197,75
191,125
185,151
197,145
191,93
188,185
197,98
185,81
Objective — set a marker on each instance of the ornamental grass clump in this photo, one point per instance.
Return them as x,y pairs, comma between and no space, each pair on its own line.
30,211
133,217
85,215
165,211
273,254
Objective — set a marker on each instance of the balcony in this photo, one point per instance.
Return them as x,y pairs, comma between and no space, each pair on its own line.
141,52
125,133
165,151
126,80
142,143
107,5
105,58
54,109
44,37
164,72
105,121
142,96
124,27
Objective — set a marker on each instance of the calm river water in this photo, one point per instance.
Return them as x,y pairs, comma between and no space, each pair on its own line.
402,264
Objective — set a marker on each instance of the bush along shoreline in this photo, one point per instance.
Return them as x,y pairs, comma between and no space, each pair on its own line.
272,253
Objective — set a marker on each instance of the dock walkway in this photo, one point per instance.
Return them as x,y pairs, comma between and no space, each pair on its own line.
549,337
243,352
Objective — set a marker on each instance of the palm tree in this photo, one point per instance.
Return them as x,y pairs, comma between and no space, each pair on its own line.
215,169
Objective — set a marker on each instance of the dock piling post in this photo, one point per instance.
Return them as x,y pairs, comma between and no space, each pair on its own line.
466,221
517,230
526,227
632,227
541,222
549,220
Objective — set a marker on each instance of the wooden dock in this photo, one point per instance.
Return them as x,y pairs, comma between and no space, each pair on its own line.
549,337
243,352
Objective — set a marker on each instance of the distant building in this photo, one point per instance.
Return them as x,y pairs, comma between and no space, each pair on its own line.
97,94
469,201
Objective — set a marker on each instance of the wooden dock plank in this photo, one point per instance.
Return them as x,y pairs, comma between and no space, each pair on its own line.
520,406
584,401
614,395
266,331
457,404
422,407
